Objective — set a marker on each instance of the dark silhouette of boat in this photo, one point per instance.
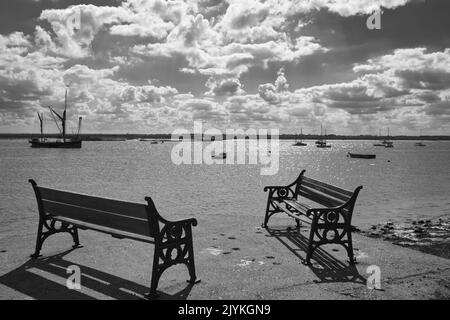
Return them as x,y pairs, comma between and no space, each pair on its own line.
322,143
58,144
361,156
379,144
221,155
62,143
386,142
420,143
300,143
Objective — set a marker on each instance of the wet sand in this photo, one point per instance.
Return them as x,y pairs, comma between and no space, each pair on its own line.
429,236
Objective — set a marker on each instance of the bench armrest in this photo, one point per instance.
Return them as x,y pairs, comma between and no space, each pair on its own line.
330,216
267,188
284,189
281,192
175,232
191,221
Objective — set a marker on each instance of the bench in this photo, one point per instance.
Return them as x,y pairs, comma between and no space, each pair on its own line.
62,211
328,208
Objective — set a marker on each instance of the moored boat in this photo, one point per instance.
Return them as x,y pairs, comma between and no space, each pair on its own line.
388,143
362,156
62,143
379,144
385,142
322,143
420,143
300,143
221,155
57,144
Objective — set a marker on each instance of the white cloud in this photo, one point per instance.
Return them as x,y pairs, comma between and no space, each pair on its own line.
221,43
345,8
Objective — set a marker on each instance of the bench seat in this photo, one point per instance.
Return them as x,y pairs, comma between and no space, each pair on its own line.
118,234
64,211
329,210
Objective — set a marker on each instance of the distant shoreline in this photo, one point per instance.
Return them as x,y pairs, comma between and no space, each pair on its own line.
119,137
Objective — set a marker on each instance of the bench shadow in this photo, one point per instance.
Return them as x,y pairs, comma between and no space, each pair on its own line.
45,278
325,266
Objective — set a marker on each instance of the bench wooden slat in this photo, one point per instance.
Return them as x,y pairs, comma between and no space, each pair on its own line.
324,219
319,197
328,186
113,232
316,199
98,217
135,210
334,194
120,219
303,208
282,206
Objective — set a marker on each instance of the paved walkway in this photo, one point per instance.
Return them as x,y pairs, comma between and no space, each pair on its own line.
235,259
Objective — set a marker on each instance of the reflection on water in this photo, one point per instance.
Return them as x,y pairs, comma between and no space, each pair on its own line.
403,182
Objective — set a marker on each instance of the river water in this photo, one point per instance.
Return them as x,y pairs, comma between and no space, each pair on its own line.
403,182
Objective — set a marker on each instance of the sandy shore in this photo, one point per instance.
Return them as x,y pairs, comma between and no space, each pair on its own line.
235,259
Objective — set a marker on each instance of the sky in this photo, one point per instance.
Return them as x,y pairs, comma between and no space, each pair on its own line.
154,66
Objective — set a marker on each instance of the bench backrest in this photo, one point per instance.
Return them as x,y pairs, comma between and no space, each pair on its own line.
323,193
116,214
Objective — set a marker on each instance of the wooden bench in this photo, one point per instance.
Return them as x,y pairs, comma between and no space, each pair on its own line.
62,211
330,219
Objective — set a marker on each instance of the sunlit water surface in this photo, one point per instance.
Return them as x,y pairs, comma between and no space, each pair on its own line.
403,182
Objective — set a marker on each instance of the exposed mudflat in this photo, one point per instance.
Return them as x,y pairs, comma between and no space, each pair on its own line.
429,236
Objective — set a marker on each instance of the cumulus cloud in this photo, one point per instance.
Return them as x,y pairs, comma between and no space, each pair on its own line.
170,62
75,27
25,75
346,8
224,87
271,92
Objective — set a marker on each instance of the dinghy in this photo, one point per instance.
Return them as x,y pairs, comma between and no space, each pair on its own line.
362,156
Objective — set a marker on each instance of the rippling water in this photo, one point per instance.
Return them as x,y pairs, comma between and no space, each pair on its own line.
403,182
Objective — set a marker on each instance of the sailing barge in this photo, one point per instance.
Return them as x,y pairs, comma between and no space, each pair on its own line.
62,143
